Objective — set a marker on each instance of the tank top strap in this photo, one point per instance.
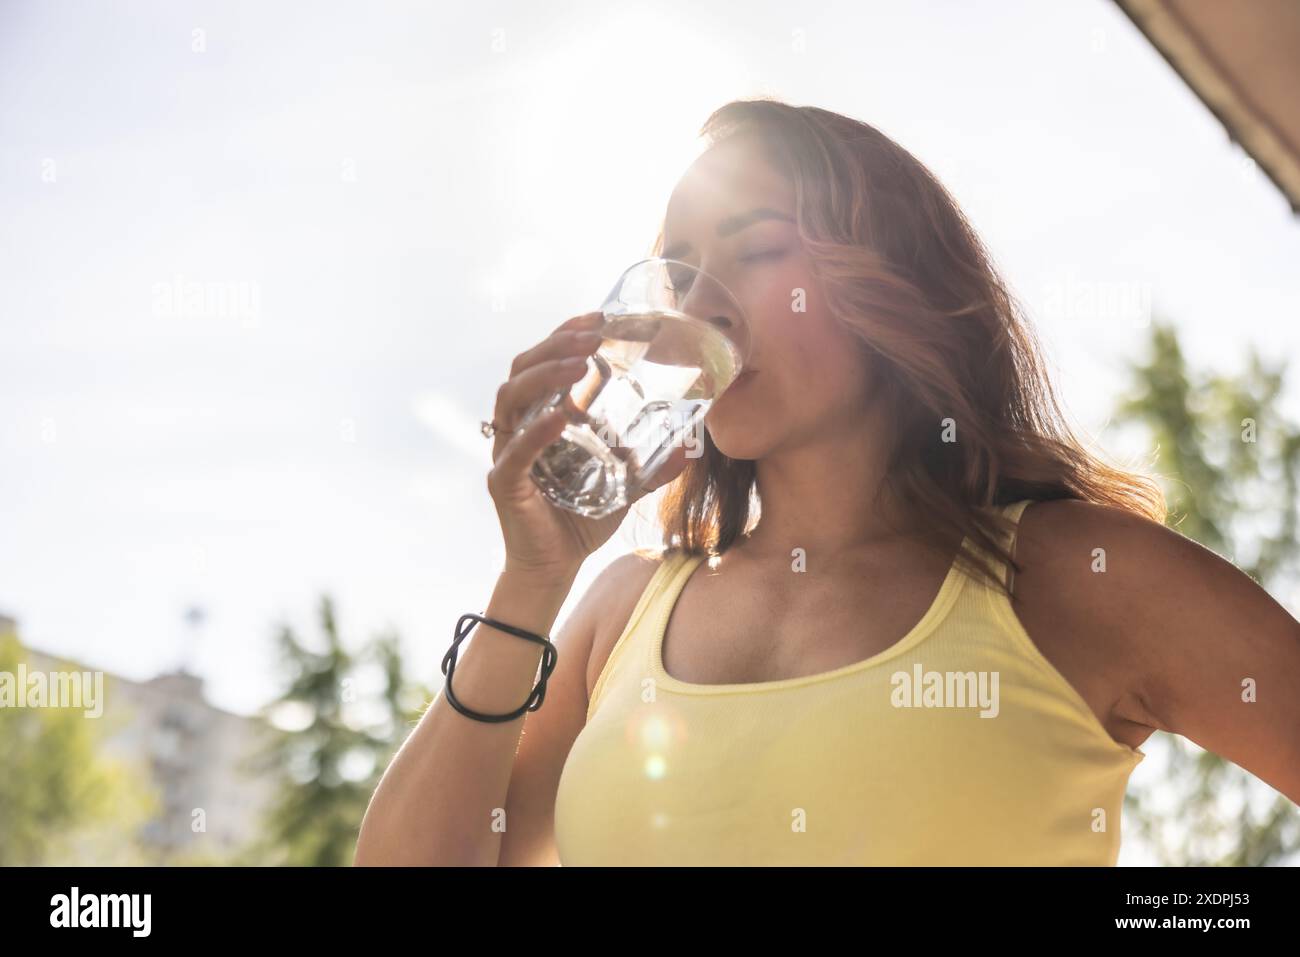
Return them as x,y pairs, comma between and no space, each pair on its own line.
671,567
1013,511
1007,539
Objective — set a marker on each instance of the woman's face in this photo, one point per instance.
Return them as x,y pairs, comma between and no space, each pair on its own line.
732,215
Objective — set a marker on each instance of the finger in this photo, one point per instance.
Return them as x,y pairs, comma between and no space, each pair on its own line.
673,467
509,479
558,345
587,320
520,393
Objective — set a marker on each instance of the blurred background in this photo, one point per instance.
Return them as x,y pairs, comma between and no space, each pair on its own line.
265,265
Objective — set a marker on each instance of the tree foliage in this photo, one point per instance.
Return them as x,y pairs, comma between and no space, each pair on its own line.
347,713
1231,466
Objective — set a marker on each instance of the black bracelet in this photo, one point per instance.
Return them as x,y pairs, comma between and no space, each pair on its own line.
463,628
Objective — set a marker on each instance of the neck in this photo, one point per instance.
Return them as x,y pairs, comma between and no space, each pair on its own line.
826,495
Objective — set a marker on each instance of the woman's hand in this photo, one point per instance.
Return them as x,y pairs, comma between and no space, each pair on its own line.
541,539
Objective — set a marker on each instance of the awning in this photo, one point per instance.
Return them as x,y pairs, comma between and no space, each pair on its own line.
1243,60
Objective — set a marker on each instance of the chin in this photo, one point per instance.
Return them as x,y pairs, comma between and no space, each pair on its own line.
737,436
736,425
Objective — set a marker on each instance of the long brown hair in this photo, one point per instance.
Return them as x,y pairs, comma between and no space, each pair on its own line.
945,339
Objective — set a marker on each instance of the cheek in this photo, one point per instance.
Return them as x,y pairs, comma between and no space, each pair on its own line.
795,335
810,368
810,365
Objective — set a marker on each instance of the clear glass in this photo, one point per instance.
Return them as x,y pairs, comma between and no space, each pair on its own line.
674,339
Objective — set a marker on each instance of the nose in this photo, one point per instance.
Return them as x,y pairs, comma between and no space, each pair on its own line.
703,297
716,310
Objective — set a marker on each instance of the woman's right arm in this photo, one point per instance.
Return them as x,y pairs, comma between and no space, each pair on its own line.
442,800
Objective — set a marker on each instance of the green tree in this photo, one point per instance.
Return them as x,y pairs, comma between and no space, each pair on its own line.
61,800
1233,462
340,719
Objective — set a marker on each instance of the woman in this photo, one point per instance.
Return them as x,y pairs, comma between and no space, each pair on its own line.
943,639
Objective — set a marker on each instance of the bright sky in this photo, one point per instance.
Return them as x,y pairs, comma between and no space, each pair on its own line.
401,198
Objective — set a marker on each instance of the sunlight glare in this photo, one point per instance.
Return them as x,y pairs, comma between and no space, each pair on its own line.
612,176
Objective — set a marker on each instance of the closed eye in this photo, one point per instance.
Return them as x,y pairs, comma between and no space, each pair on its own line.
765,254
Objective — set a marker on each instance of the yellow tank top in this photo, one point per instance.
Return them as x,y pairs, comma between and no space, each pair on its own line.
960,744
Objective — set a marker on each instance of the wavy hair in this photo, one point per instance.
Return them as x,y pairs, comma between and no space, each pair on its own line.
902,267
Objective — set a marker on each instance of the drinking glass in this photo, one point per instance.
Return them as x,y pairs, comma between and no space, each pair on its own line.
674,337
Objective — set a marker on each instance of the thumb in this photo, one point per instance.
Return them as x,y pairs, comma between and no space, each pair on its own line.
673,466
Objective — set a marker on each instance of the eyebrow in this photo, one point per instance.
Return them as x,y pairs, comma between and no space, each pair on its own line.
730,225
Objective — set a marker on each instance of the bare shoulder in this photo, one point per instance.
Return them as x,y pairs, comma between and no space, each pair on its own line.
1083,578
1186,639
1106,588
1092,550
613,595
1099,565
1069,519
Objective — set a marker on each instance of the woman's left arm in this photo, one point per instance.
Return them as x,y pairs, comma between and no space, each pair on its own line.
1216,658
